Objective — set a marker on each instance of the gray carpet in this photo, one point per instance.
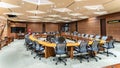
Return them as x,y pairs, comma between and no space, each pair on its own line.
15,56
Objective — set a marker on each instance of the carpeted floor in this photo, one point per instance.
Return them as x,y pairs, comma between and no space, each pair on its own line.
15,56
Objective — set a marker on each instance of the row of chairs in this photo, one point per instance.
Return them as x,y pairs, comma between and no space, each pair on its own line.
34,46
61,48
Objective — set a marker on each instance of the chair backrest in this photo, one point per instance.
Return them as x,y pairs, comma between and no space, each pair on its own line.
83,47
61,46
83,35
91,36
94,46
104,38
111,43
78,34
38,46
97,37
86,35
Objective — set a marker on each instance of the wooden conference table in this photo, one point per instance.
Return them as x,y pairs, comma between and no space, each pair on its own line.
49,46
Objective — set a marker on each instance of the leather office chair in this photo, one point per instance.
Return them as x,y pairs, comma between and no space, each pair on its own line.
39,50
97,37
104,38
60,49
86,35
82,49
94,49
109,45
91,36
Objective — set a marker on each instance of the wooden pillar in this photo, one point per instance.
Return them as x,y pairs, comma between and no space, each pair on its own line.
103,26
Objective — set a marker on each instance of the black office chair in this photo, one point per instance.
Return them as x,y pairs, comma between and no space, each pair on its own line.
82,49
39,49
60,49
94,48
109,45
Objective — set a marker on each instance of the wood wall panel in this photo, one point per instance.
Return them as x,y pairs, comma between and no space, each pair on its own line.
89,26
51,27
113,29
35,27
72,27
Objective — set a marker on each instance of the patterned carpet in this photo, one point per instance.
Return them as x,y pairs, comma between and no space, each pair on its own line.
15,56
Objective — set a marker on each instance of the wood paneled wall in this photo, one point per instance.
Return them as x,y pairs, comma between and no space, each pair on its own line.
113,29
72,27
89,26
51,27
92,25
35,27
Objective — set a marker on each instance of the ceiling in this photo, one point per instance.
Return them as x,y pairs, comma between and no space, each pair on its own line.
57,10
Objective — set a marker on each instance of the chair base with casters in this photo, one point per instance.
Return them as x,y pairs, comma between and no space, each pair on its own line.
60,59
84,57
39,54
108,53
94,56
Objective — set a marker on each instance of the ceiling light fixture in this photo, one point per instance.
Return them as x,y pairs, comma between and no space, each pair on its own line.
94,7
100,12
7,5
36,12
34,17
13,13
75,14
62,10
39,2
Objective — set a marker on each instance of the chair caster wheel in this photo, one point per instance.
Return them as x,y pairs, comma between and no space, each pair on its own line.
88,61
39,58
53,59
115,56
56,63
34,57
99,58
65,64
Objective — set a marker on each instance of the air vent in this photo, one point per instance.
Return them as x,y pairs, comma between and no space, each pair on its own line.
11,16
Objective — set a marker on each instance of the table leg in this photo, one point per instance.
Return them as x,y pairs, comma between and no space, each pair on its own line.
71,52
46,52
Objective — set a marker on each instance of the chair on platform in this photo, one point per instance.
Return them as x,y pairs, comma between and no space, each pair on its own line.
60,49
82,49
93,49
91,36
109,45
104,38
86,35
39,49
97,37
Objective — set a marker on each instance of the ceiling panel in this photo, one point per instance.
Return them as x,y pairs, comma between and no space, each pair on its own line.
110,6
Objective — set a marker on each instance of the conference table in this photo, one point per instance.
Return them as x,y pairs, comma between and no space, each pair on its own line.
49,47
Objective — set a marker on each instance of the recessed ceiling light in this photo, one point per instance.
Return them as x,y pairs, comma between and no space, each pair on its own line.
84,17
36,12
49,18
65,18
13,13
34,17
94,7
7,5
54,15
78,0
74,19
62,10
75,14
67,21
101,12
21,20
39,2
